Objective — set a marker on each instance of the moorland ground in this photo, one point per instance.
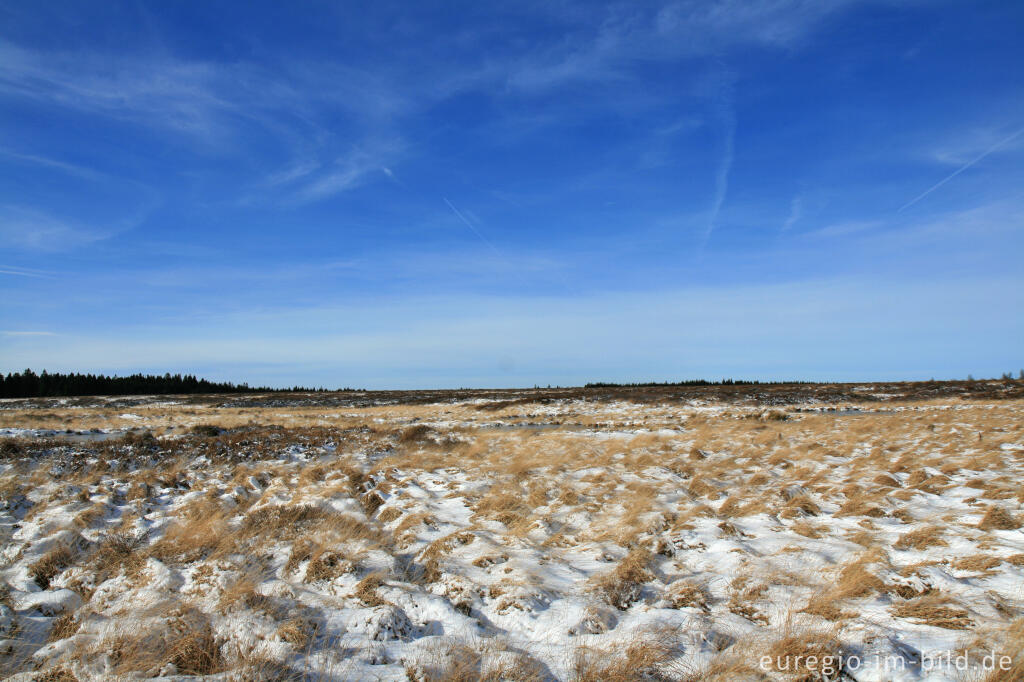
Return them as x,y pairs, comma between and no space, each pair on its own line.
690,533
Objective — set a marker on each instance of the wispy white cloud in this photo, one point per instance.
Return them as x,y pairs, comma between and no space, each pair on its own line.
30,229
603,47
796,209
302,106
315,106
350,170
56,164
845,228
711,26
173,93
23,272
296,171
27,333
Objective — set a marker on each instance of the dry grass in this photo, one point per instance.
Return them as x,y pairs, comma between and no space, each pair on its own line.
327,564
621,586
506,503
824,606
297,631
119,551
808,655
390,514
934,609
187,642
997,518
923,538
63,626
686,594
195,651
1013,644
979,563
52,563
194,539
553,491
461,661
58,674
648,654
366,590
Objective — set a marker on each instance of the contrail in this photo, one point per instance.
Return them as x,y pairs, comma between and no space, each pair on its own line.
960,170
470,225
722,179
724,104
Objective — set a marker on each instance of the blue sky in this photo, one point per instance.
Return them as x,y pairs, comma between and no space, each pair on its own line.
503,194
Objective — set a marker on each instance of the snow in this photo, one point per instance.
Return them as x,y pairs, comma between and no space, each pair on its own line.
519,579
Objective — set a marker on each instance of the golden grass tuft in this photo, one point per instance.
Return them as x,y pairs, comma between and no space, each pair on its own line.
47,567
648,654
808,655
1013,644
194,539
388,515
63,627
979,563
933,609
809,529
824,606
297,631
196,652
119,551
861,505
327,564
186,641
686,594
922,538
621,586
997,518
804,505
366,589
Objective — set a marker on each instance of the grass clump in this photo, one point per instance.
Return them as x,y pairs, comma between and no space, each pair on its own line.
933,609
997,518
622,586
51,564
923,538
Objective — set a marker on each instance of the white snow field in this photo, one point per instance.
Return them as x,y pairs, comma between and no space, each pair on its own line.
550,539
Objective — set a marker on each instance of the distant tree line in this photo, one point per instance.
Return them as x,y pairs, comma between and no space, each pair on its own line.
28,384
693,382
1007,376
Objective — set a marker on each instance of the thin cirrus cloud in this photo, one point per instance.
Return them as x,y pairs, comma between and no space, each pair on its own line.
609,44
311,179
182,97
347,173
209,102
27,228
796,212
618,155
54,164
15,271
